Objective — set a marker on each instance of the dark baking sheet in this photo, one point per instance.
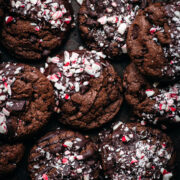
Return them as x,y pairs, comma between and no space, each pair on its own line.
73,42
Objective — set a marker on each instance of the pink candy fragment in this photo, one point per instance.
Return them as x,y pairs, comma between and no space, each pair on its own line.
37,28
124,139
64,161
45,177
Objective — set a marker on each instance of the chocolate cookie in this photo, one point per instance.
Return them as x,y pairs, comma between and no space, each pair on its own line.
132,151
64,155
154,41
154,104
104,24
26,100
33,28
10,156
87,88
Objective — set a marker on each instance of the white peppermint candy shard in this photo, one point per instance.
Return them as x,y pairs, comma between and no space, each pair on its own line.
3,127
96,67
74,56
79,2
167,176
114,4
102,20
5,111
124,48
177,118
79,157
86,177
112,19
177,13
100,54
68,143
122,28
33,1
79,170
127,139
66,56
77,88
117,125
2,97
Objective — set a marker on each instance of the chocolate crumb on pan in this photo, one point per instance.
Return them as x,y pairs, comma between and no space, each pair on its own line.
64,154
32,29
132,151
88,90
26,100
152,103
154,41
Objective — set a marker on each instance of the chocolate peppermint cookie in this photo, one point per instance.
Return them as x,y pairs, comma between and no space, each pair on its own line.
33,28
64,155
154,104
88,90
104,24
26,100
10,156
154,41
132,151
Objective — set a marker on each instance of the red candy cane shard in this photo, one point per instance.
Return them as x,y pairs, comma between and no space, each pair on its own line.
9,19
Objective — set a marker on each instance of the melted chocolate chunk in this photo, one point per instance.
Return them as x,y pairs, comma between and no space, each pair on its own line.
15,105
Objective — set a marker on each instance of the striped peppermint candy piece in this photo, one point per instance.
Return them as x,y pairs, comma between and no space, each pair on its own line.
68,20
57,15
149,92
9,19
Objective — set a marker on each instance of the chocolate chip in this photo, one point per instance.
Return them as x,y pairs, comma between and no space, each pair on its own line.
15,105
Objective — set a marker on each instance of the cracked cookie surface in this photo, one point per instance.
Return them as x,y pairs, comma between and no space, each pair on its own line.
88,90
